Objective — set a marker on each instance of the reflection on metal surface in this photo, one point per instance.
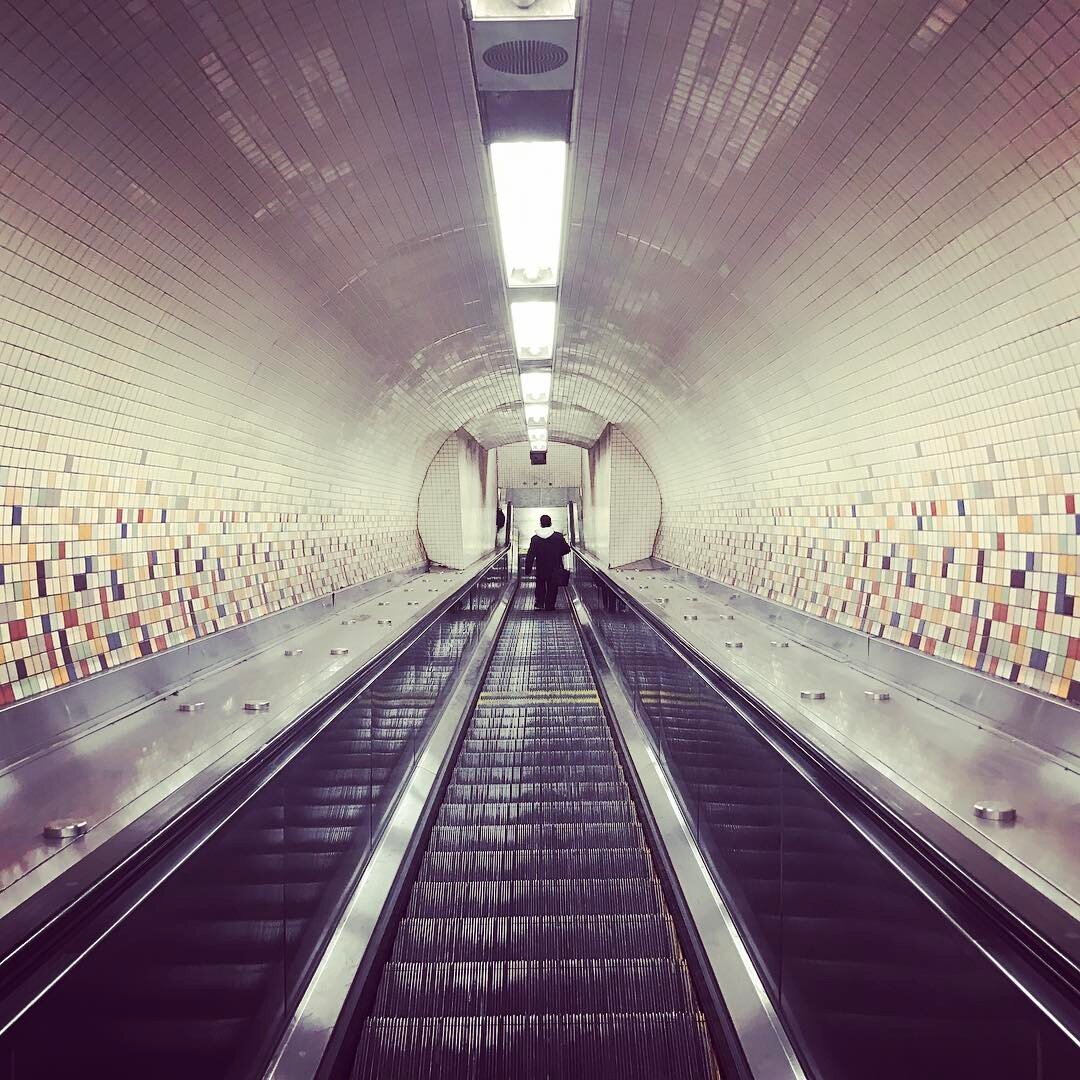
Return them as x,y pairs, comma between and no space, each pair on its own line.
309,1030
864,953
225,938
760,1033
64,829
992,811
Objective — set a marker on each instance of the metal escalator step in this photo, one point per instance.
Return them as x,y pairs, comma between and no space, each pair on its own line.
525,813
571,834
533,759
536,1047
551,772
556,791
566,896
531,863
546,987
536,937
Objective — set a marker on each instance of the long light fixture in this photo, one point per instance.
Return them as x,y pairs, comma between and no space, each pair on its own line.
525,100
534,328
536,415
535,387
529,182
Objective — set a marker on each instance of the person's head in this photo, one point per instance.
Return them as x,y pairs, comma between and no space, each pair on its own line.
545,521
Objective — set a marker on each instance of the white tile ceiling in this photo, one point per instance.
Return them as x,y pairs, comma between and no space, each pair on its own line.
766,197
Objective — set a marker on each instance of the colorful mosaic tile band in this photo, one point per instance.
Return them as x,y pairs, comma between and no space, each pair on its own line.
987,582
86,588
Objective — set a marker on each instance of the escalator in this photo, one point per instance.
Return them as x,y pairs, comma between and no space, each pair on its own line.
199,978
536,941
872,977
531,934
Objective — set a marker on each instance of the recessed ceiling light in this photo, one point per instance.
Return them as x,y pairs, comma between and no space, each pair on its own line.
529,181
535,386
534,328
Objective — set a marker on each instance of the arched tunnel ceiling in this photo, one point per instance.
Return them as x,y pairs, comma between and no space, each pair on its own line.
764,199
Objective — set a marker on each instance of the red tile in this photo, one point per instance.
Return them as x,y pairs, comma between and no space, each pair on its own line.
17,629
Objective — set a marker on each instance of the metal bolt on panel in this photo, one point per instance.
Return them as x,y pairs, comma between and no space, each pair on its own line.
995,811
340,650
779,644
64,828
877,695
294,652
192,706
348,622
256,706
812,695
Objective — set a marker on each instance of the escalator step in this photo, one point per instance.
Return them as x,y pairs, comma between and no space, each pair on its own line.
536,1047
554,896
547,987
569,834
595,811
543,937
532,863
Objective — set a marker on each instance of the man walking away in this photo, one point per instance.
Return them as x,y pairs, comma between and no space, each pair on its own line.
546,549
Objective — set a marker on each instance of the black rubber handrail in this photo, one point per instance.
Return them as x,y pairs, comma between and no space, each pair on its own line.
1034,935
43,928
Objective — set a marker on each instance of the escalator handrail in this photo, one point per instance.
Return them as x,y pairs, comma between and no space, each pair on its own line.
35,932
1036,927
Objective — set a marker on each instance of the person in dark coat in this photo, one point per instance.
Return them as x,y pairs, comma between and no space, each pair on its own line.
546,550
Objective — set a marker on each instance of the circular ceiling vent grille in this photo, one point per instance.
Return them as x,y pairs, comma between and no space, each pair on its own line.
525,57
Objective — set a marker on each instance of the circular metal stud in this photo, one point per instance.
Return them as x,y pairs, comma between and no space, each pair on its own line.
877,695
733,644
779,644
812,695
256,706
64,828
192,706
995,811
340,650
294,652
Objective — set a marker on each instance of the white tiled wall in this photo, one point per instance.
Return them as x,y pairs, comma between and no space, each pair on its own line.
620,501
827,280
563,468
457,503
822,271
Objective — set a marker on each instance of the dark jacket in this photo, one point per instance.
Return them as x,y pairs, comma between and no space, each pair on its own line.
547,553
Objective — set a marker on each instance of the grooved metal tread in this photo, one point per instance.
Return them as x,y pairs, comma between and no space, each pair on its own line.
536,941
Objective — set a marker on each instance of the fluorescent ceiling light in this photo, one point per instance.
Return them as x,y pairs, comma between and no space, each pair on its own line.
536,415
535,386
524,9
534,328
529,181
